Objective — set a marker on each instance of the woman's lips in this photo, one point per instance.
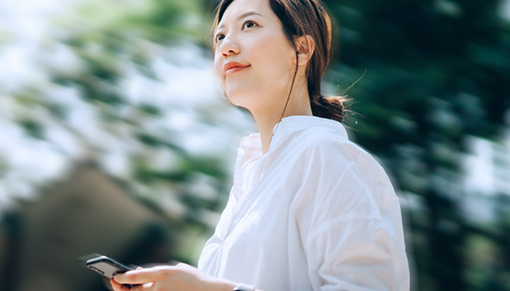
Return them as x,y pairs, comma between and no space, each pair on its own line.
233,67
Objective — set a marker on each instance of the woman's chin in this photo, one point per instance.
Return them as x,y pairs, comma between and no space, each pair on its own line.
238,99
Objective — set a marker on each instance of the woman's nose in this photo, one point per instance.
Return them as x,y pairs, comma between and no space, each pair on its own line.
229,47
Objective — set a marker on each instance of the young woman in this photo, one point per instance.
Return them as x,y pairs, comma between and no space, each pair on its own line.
309,210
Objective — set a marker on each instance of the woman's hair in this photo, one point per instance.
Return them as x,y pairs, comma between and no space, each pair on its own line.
299,18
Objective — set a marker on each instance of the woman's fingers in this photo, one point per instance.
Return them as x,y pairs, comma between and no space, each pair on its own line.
130,277
141,276
122,287
179,277
118,287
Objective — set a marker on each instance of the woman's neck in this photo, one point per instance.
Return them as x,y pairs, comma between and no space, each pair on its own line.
267,119
266,126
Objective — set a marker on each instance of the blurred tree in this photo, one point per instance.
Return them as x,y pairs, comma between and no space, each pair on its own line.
436,71
124,84
118,43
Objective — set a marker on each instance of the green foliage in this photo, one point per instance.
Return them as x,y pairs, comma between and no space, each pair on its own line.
436,72
89,59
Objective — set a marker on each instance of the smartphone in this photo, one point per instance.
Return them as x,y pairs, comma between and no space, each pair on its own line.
106,266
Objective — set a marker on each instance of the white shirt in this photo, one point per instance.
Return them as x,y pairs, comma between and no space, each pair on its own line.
316,212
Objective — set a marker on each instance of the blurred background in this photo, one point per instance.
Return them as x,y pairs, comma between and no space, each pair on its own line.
115,137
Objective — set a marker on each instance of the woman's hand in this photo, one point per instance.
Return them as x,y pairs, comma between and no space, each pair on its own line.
176,278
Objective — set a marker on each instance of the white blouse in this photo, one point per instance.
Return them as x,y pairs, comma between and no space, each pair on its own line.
316,212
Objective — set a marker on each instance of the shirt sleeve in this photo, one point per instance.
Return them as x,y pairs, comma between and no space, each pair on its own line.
348,217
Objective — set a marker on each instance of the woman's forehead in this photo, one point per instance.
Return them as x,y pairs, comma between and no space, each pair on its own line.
240,9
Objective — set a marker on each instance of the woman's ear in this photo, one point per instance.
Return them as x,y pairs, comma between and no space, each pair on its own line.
305,47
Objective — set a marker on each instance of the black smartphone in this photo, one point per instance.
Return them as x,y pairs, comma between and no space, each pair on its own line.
106,266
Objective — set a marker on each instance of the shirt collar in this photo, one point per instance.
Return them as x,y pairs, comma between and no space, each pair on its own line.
296,123
288,125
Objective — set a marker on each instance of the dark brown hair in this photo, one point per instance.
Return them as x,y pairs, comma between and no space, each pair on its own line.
299,18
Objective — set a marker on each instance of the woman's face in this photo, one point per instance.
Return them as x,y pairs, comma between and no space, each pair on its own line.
253,57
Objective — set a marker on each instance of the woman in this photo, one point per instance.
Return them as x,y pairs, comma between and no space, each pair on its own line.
309,210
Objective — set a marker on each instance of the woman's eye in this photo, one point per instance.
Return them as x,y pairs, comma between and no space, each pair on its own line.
219,37
249,24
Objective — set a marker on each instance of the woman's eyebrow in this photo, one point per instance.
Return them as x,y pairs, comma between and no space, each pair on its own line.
246,14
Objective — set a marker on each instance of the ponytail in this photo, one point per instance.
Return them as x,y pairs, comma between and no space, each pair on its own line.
328,107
